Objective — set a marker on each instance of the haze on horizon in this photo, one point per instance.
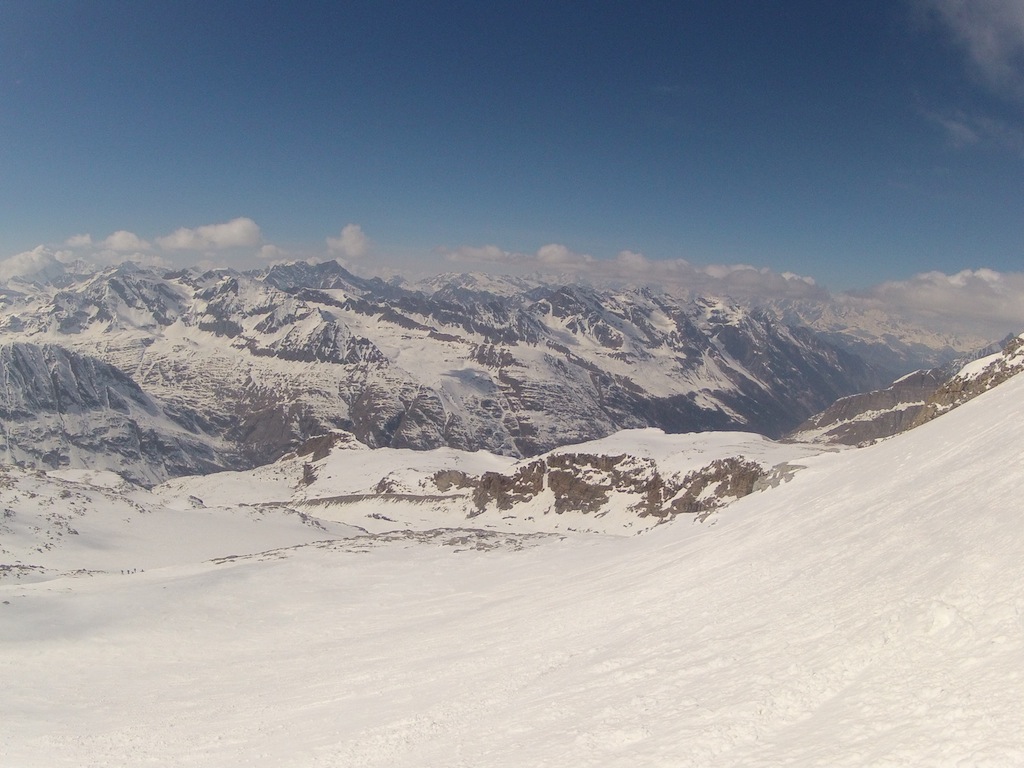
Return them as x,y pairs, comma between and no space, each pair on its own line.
788,151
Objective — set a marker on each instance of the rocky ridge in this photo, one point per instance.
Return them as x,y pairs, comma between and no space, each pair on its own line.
912,400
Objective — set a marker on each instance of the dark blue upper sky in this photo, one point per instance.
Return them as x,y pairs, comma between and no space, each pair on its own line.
850,141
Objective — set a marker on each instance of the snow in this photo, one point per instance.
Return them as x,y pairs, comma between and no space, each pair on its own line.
686,452
86,521
344,488
976,368
869,612
351,470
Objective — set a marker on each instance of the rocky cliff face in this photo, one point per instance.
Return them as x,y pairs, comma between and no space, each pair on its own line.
873,415
266,360
974,379
62,409
912,400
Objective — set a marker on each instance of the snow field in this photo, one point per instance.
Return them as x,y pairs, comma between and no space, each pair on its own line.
870,612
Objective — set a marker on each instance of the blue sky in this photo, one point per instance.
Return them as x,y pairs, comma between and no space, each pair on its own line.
852,142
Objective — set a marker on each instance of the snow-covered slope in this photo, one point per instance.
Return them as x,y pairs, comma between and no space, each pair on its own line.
869,612
94,522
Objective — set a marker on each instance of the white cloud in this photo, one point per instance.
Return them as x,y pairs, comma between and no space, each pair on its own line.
630,260
79,241
992,34
271,252
237,233
45,263
723,271
123,241
964,129
1002,132
106,258
552,255
634,268
558,255
981,301
743,281
958,129
40,262
352,243
486,254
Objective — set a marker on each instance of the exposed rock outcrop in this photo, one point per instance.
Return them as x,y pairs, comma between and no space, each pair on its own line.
585,483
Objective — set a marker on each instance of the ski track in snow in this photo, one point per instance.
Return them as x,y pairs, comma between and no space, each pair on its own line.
870,612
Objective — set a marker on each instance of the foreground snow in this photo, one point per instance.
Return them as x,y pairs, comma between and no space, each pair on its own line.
868,612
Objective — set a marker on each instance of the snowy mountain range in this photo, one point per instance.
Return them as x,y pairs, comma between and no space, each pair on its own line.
222,369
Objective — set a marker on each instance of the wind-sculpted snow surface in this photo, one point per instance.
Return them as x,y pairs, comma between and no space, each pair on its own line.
264,361
94,522
868,612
